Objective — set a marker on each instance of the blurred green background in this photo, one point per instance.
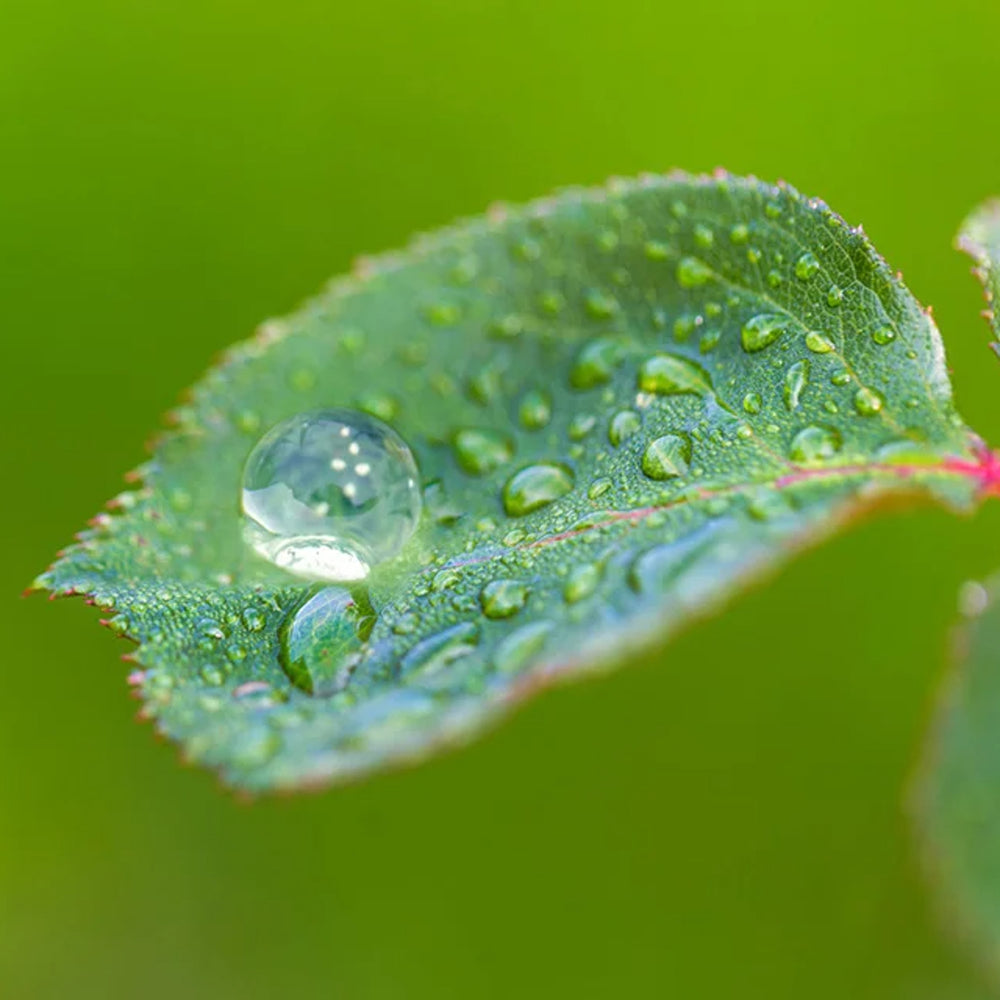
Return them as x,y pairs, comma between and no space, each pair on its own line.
726,823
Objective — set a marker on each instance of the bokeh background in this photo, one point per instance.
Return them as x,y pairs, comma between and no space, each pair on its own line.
727,822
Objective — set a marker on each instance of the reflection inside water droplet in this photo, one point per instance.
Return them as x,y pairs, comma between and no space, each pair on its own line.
329,493
322,637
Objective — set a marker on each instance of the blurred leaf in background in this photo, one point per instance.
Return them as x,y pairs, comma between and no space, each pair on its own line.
724,822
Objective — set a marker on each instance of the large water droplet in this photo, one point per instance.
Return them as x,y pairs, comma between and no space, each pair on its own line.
667,374
813,444
666,457
481,451
761,331
503,598
321,639
329,493
534,487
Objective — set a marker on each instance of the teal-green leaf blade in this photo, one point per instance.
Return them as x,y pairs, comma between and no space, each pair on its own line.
956,800
956,804
721,371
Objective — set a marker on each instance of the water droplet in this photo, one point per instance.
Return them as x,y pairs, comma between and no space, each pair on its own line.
813,444
581,425
322,638
709,340
600,304
595,364
806,266
752,402
692,272
761,331
774,278
253,619
481,451
740,233
796,379
535,410
437,651
581,582
884,335
503,598
443,313
522,645
685,325
623,425
666,374
834,296
868,402
329,493
534,487
819,344
655,250
378,405
840,378
599,487
703,236
666,457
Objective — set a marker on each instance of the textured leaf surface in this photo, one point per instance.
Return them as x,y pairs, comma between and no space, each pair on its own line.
958,797
720,370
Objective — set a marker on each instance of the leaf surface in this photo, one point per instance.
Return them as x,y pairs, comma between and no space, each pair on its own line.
715,372
957,800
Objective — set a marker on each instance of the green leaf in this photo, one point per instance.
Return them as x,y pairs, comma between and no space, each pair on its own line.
625,405
957,800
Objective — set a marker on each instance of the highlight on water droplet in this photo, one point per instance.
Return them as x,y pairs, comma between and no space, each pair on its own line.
666,457
321,639
534,487
667,374
327,494
761,331
814,443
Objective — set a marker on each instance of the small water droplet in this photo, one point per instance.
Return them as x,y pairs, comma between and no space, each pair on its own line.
503,598
582,582
710,340
253,619
752,402
581,425
840,378
884,335
535,410
796,379
378,405
740,233
321,639
655,250
438,651
666,457
703,236
761,331
806,266
623,425
692,272
819,344
834,296
813,444
868,402
595,364
666,374
481,451
599,487
600,304
534,487
329,493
